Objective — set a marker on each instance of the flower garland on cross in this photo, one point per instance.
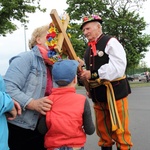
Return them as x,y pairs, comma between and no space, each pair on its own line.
52,40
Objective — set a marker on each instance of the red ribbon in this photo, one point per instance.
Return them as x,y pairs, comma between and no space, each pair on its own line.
93,45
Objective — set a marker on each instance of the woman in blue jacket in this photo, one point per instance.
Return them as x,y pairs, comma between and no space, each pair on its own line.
28,81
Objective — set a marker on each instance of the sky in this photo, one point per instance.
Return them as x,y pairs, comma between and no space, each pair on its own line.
17,42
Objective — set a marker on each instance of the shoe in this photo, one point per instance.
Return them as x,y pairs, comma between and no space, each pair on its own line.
106,148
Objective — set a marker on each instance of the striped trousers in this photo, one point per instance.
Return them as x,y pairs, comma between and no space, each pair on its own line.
104,128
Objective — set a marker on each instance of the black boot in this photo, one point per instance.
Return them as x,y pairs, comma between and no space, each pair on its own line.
106,148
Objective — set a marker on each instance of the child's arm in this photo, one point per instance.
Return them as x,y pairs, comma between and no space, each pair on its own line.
87,119
42,127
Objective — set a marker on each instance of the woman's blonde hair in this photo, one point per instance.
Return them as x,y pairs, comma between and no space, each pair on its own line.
37,33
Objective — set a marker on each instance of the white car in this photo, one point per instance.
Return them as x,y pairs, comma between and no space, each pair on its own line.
142,77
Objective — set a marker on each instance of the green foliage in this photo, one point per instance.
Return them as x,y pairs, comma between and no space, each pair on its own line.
76,10
11,10
78,41
127,27
120,19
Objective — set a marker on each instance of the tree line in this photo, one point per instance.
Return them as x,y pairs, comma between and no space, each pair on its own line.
121,19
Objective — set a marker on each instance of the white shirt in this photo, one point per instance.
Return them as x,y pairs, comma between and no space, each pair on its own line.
116,66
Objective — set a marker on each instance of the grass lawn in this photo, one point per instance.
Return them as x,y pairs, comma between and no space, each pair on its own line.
139,84
133,84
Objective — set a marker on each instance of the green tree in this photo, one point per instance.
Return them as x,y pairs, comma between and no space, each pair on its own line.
121,19
19,10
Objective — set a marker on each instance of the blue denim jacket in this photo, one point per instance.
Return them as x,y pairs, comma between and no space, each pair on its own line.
26,79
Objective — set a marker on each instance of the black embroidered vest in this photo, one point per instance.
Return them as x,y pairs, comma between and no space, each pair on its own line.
93,63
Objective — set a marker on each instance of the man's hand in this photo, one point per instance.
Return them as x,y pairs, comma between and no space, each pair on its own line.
85,74
81,62
41,105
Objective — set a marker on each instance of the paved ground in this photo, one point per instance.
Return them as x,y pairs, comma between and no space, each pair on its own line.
139,111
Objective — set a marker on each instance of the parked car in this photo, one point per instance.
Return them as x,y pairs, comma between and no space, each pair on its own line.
136,76
130,78
142,77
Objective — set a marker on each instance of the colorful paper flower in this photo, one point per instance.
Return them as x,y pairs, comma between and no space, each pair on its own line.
92,17
52,40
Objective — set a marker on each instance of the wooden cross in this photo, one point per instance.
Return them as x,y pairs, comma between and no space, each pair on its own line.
63,39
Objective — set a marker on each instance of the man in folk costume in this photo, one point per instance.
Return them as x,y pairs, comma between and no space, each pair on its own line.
105,60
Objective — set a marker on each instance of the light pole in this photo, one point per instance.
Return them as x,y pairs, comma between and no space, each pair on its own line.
24,26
